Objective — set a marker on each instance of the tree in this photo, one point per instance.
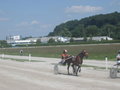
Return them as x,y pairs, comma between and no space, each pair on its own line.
38,42
65,33
71,40
117,32
98,25
92,30
78,31
4,43
51,40
108,30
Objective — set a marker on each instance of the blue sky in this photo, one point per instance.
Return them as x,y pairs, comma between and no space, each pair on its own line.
39,17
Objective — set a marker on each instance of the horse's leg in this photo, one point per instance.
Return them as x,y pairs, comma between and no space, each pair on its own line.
73,68
79,67
68,68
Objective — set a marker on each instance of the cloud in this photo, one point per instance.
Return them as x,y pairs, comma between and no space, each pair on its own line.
34,22
4,19
82,9
23,24
26,23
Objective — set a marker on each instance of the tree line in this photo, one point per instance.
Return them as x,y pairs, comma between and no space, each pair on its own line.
98,25
3,43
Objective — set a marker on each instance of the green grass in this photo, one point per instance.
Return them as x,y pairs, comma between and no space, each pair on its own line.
21,60
98,51
94,67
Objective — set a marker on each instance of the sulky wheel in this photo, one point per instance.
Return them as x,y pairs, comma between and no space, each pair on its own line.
56,69
113,72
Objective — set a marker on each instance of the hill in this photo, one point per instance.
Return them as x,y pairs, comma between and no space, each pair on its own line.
98,25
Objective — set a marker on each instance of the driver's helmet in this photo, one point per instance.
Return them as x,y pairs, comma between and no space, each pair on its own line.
65,51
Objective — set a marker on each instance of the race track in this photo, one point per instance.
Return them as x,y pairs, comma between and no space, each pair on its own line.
15,75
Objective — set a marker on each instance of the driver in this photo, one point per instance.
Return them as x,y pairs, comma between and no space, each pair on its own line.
118,57
64,56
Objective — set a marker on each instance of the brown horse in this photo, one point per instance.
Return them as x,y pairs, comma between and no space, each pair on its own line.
76,62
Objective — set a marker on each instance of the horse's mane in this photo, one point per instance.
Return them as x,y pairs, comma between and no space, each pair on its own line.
81,54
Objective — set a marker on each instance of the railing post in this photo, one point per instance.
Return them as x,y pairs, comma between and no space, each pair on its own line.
29,57
3,56
106,62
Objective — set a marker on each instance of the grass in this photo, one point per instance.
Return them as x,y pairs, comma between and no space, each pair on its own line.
96,51
21,60
94,67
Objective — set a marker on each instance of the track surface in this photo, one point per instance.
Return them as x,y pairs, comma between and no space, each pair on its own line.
16,75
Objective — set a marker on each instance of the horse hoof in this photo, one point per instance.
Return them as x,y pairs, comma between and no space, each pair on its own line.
76,74
80,70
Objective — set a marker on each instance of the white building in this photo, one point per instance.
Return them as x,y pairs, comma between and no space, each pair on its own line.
63,39
56,38
17,37
78,39
99,38
16,40
34,40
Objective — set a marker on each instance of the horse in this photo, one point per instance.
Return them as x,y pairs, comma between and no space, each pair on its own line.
76,62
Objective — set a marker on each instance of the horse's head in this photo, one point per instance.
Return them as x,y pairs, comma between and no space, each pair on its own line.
84,53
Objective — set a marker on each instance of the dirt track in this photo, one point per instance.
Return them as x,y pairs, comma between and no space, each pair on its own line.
16,75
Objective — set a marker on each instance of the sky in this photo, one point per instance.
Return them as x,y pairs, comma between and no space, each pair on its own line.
39,17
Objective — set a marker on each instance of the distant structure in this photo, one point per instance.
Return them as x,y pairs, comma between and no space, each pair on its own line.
56,38
97,38
17,40
17,37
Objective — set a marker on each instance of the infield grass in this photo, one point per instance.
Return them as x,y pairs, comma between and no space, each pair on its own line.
96,51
